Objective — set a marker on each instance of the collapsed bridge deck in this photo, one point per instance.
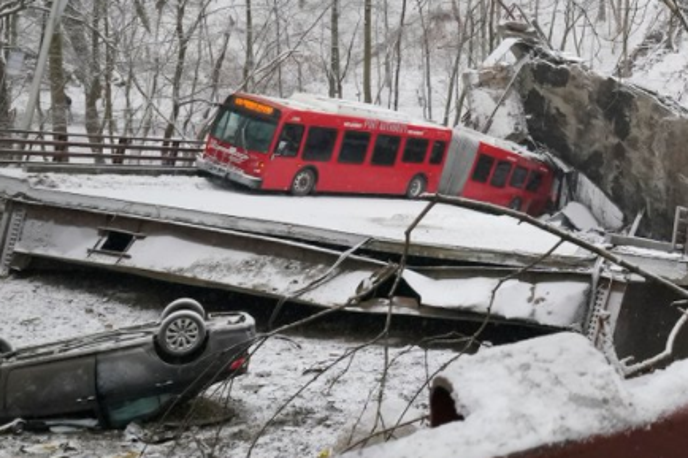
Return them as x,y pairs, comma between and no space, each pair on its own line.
319,250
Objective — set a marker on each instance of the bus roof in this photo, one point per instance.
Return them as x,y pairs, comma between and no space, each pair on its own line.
318,103
500,143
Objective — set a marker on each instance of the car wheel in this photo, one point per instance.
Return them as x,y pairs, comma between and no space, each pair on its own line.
183,303
416,187
181,333
515,204
5,346
303,183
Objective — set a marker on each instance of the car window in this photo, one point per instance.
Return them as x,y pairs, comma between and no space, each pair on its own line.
121,413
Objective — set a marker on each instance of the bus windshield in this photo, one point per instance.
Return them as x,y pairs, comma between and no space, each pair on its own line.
243,130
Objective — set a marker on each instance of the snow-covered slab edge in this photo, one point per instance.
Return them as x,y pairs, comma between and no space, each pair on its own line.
538,392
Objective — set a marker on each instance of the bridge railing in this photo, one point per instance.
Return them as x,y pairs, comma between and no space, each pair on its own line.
22,147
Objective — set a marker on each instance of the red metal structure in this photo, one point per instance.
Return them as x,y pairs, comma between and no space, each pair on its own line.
308,143
497,171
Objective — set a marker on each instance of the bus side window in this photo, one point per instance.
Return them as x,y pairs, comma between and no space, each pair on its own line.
319,144
501,174
483,168
414,151
437,153
290,140
386,148
518,179
534,182
354,147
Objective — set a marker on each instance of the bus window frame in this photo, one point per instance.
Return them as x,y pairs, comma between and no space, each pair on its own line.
535,176
500,178
279,149
396,151
363,159
441,154
405,152
526,171
330,153
479,167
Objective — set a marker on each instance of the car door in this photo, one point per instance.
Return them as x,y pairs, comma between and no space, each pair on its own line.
52,388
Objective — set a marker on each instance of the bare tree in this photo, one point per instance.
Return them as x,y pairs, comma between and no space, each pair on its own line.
397,52
249,65
367,50
334,79
58,97
87,69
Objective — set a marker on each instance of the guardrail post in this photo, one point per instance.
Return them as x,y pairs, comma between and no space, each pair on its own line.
121,150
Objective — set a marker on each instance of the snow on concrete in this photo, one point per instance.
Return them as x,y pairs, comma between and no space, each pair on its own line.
554,303
580,217
382,218
536,392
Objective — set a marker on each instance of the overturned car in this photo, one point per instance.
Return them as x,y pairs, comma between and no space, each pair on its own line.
127,374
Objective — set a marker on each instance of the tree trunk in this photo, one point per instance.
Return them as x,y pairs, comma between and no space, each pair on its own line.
6,121
87,71
367,51
178,69
397,51
278,35
58,96
426,55
334,74
248,67
108,118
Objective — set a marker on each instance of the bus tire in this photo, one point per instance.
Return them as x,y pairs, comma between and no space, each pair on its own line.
416,187
515,204
303,183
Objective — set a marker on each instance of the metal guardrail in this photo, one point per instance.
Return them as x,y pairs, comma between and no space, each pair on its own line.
41,148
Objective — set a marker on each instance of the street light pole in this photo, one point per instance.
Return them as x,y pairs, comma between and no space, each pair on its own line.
56,10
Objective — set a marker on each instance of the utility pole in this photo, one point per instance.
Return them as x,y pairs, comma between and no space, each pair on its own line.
56,10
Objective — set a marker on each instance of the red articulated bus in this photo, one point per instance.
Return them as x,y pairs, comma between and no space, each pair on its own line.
309,143
498,171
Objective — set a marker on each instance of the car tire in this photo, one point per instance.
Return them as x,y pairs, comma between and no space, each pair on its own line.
181,333
5,346
416,187
183,303
303,183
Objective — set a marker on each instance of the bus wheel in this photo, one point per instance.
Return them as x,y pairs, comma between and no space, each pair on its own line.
416,187
303,183
515,204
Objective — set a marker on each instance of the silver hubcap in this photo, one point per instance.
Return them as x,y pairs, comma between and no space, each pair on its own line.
182,334
416,187
302,182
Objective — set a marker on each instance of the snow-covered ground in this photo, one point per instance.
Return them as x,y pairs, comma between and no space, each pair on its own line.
47,307
553,388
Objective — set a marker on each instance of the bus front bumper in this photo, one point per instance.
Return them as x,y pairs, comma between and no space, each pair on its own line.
225,171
